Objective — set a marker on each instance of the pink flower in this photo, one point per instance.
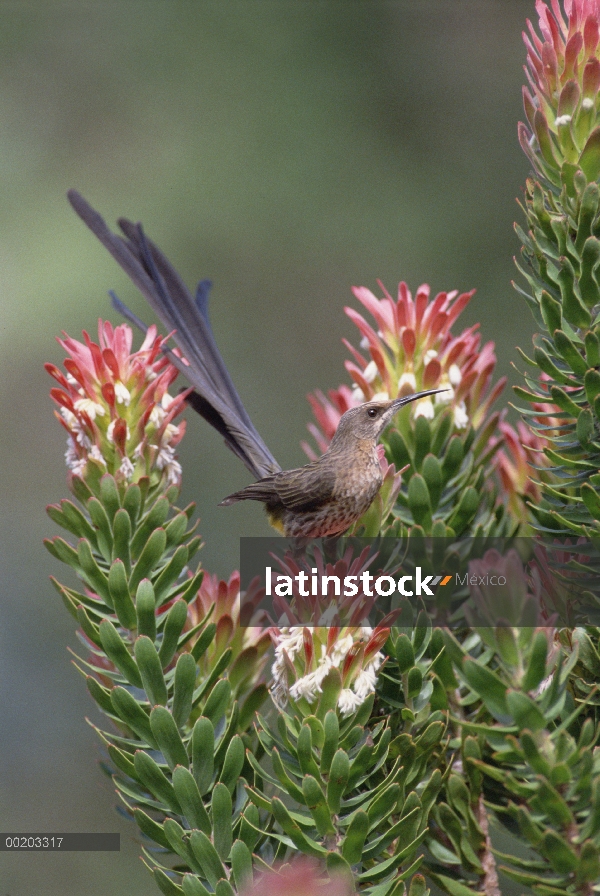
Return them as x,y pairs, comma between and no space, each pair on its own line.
249,645
411,347
300,878
561,105
116,408
519,465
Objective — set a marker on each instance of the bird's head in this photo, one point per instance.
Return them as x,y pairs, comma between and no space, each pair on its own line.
368,420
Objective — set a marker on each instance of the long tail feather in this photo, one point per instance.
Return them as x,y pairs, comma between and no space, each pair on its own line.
215,396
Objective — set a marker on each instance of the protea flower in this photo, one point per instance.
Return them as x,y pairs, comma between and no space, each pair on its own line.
520,464
563,70
411,347
249,644
299,878
116,407
304,657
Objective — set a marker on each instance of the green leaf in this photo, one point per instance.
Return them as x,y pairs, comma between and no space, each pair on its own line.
191,886
331,727
149,665
570,353
204,641
88,627
585,426
151,828
591,500
536,663
224,888
218,701
109,495
183,688
129,710
171,573
249,827
149,558
383,805
414,682
308,765
70,517
588,209
524,711
292,829
548,801
356,834
168,738
573,309
119,593
165,884
122,760
132,502
589,160
466,510
93,576
338,780
208,857
251,705
532,754
116,650
558,853
331,687
338,866
565,403
488,686
551,312
176,529
233,763
188,796
222,811
203,745
241,865
100,694
588,868
145,608
422,436
507,645
122,538
588,285
316,805
99,518
405,655
176,619
418,498
434,478
453,457
452,886
151,521
155,780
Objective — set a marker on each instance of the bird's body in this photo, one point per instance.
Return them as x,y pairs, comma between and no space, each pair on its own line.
321,499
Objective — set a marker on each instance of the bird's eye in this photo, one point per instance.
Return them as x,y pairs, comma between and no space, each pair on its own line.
372,412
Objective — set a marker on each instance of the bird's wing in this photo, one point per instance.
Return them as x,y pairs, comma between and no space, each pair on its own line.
305,489
301,490
263,490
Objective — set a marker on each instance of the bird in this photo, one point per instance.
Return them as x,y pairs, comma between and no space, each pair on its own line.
319,500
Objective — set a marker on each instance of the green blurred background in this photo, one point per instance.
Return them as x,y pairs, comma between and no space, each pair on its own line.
287,150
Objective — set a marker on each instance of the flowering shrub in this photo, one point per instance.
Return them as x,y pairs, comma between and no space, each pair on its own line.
385,757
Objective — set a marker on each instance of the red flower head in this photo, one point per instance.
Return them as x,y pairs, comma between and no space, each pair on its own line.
561,103
411,348
116,407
